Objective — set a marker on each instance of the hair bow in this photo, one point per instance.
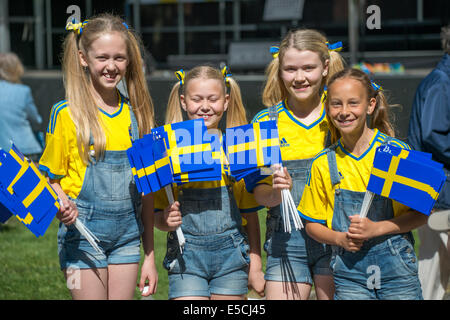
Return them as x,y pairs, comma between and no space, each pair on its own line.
335,46
180,75
76,27
274,51
125,25
226,75
375,86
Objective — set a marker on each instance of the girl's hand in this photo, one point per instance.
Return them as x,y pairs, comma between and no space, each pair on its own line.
256,281
281,179
172,216
362,228
348,243
68,212
149,277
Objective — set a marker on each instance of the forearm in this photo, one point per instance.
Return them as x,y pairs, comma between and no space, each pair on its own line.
148,222
265,195
254,238
322,234
401,224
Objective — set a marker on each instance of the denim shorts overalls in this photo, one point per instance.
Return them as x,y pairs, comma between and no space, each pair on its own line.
109,205
215,257
295,256
385,267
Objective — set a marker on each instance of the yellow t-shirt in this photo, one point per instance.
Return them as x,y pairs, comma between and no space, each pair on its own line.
317,203
61,160
244,200
297,140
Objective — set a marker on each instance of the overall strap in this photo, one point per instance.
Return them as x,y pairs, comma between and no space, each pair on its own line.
332,165
134,129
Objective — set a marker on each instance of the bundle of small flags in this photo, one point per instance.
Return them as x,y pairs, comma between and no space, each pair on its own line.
26,194
175,153
406,176
251,150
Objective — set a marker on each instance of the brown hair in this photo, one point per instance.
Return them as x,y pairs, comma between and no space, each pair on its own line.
380,116
11,68
82,105
301,39
236,115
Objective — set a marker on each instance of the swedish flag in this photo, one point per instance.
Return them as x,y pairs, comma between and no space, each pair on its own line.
194,153
407,176
25,192
252,146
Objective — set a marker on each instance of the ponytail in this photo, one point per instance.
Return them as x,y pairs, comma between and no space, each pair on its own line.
174,113
380,116
273,90
236,115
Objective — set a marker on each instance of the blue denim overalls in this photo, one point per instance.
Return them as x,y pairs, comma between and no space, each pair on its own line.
110,206
385,267
215,258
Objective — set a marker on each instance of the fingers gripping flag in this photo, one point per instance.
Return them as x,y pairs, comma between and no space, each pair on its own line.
25,192
407,176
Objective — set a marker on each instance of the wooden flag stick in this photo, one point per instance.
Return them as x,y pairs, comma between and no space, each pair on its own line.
368,197
180,235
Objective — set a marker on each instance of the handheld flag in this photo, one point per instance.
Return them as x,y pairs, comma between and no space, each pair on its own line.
25,192
406,176
250,149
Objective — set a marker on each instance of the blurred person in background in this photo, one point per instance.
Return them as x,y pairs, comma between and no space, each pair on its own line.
429,131
18,113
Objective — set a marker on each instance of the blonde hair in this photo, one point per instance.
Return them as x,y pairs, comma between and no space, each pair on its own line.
301,39
11,68
83,108
380,116
236,115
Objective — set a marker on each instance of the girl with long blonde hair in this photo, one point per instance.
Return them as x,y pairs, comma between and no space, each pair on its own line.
219,260
86,162
294,94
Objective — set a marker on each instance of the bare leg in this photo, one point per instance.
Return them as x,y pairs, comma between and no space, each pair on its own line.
122,279
225,297
87,284
276,290
324,286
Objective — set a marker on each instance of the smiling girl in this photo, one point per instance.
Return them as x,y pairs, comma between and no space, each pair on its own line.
294,94
220,260
373,257
86,162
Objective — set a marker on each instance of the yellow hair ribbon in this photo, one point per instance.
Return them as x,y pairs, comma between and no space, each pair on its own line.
274,51
226,75
180,75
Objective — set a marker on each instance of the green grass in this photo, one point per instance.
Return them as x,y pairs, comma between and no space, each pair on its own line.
30,267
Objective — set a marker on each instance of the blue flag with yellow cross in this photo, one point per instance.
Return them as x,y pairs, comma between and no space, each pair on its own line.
25,192
251,147
407,176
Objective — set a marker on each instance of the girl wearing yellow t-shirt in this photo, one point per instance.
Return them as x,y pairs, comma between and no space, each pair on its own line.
295,82
373,257
85,159
219,260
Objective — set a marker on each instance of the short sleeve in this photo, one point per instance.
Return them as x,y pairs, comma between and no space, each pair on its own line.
160,200
245,200
54,159
313,205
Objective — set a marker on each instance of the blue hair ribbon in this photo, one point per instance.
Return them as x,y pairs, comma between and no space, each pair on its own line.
337,46
274,51
180,75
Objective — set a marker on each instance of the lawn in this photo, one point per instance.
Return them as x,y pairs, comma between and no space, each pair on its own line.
30,269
